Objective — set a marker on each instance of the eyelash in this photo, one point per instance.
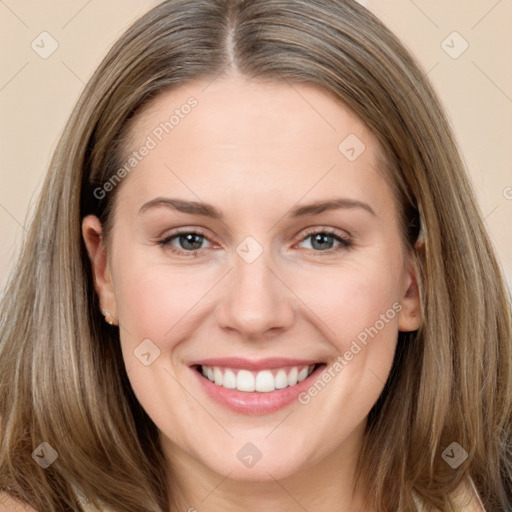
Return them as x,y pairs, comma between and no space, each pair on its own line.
345,242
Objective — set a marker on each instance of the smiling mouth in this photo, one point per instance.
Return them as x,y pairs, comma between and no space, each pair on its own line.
263,381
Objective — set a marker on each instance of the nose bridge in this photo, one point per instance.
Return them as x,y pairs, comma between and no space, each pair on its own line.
256,301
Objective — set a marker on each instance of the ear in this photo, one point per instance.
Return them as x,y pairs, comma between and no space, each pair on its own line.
410,315
93,237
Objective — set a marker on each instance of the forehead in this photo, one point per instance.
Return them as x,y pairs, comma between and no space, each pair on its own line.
236,112
255,137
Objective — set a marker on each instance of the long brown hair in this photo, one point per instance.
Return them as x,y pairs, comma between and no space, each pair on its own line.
62,377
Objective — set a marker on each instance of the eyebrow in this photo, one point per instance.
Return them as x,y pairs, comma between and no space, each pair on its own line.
208,210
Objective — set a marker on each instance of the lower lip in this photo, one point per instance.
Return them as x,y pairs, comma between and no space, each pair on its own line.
256,403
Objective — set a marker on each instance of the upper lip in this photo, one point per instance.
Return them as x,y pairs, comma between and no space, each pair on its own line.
253,364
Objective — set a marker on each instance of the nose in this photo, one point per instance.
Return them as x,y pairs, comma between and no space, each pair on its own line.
256,304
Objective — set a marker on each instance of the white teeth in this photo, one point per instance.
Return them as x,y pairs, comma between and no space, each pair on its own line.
217,376
263,381
229,379
292,376
281,379
245,381
303,374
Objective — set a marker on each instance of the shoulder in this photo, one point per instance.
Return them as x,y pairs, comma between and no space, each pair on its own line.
9,504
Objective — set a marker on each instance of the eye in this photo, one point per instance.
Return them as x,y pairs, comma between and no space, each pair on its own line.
190,242
323,240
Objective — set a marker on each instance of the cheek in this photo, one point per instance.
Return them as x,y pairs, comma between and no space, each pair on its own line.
349,301
154,299
162,304
158,303
359,310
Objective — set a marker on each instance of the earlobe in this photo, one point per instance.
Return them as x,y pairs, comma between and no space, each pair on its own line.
410,315
93,238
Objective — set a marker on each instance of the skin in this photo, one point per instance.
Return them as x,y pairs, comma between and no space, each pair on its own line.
254,151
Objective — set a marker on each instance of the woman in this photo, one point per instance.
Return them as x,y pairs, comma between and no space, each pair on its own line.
247,371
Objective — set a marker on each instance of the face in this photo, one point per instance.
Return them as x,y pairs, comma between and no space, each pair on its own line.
255,244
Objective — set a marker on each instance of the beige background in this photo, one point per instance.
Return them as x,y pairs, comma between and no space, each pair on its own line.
37,95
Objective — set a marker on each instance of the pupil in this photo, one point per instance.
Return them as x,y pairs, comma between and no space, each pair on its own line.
189,238
320,237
